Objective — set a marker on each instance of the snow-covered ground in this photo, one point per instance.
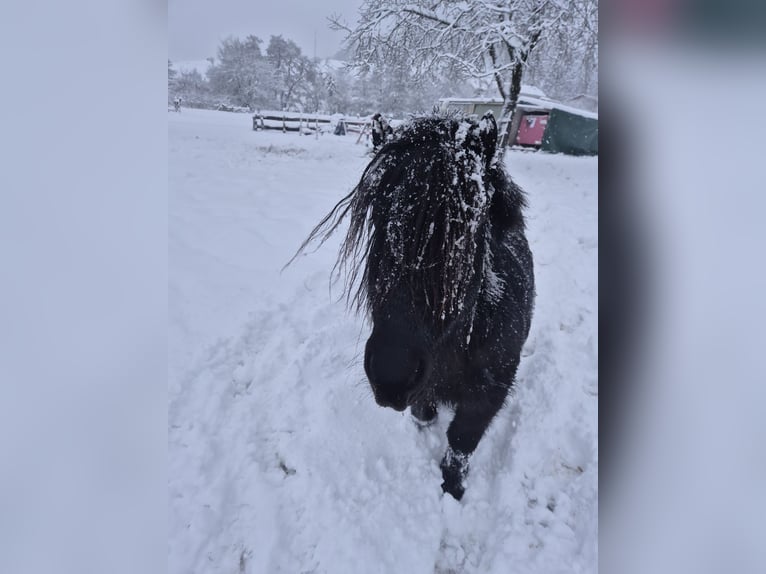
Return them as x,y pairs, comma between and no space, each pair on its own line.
280,460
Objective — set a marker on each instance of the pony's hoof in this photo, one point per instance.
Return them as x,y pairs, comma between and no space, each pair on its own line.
454,467
453,488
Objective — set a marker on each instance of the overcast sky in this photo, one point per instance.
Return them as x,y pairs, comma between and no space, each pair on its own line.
196,27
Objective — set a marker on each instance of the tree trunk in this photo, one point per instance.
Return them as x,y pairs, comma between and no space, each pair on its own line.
509,106
506,118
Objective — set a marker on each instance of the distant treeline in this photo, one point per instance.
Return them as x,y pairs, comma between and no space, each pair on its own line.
281,77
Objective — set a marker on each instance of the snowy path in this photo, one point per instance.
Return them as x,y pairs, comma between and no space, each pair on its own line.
280,461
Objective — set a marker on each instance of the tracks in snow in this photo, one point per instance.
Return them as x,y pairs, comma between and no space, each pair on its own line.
278,451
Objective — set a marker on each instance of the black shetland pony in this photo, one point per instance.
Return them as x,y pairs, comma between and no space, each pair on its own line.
436,255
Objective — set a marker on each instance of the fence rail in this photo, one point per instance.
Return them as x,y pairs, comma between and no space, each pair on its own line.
305,123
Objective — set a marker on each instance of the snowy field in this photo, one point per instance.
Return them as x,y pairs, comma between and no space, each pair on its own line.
279,458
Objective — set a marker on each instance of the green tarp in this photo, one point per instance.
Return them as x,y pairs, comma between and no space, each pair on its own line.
570,134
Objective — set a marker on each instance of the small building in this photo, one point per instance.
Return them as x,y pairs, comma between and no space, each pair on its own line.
540,123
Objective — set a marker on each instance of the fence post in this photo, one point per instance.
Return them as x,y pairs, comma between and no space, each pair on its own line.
284,123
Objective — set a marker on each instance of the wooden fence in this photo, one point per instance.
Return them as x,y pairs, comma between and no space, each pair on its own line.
305,123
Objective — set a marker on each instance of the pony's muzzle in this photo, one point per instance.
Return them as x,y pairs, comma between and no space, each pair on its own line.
395,371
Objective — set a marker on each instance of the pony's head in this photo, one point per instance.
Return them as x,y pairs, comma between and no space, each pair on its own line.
416,246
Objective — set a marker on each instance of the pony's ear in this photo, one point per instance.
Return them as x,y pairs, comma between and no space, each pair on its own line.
488,135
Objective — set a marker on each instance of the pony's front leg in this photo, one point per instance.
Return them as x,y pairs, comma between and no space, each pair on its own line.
472,417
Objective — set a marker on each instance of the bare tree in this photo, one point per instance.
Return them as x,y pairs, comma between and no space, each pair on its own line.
565,63
171,78
171,71
475,38
191,86
293,71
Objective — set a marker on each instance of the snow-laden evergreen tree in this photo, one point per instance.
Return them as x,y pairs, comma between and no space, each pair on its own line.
241,72
340,89
480,39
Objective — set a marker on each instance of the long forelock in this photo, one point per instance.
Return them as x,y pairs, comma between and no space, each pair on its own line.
424,206
423,203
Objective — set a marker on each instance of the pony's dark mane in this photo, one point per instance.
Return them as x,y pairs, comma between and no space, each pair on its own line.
424,203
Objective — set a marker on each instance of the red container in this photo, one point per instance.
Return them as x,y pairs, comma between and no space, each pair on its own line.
531,129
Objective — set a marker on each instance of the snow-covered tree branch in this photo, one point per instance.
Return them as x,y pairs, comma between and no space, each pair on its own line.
472,38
